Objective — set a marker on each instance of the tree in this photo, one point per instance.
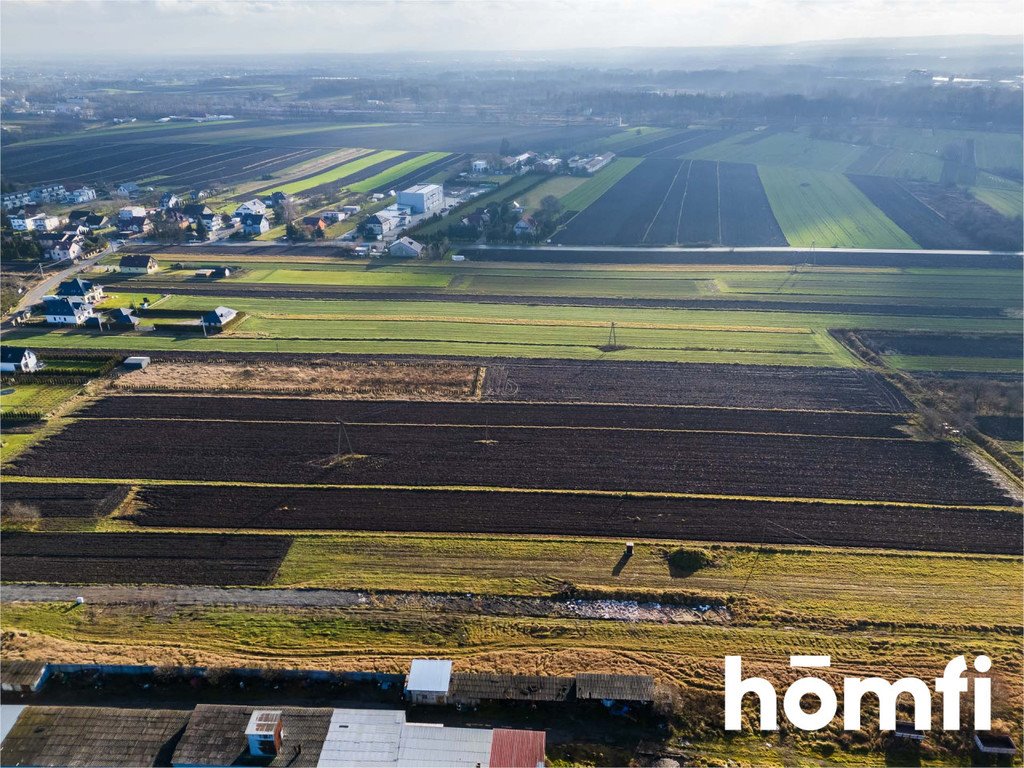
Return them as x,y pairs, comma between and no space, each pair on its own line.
506,147
293,233
225,219
551,205
200,230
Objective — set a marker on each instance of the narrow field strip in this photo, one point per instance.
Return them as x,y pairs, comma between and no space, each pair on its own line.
432,425
512,490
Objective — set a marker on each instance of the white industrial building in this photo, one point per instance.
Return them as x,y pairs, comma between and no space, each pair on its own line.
422,198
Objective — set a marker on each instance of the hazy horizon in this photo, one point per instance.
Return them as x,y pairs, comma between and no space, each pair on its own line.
173,28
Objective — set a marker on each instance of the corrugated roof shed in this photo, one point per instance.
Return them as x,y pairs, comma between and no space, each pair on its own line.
433,675
433,746
17,673
362,738
513,748
470,686
617,687
216,735
92,736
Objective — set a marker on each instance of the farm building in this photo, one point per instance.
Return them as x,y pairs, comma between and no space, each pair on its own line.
123,318
428,680
406,247
615,688
80,289
994,744
422,198
138,265
23,676
906,730
92,736
254,224
130,212
219,317
18,359
472,688
220,734
66,311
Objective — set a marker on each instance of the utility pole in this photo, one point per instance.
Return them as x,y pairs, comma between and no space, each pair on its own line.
612,340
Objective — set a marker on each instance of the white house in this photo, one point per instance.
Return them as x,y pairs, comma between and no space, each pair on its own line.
422,198
42,223
350,210
379,224
130,212
252,206
78,289
66,312
479,166
68,247
406,247
83,195
128,189
18,359
138,265
50,194
254,224
14,200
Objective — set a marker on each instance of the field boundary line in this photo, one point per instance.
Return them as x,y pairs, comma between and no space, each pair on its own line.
433,425
503,489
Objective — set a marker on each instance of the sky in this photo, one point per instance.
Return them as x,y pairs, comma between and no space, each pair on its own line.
32,29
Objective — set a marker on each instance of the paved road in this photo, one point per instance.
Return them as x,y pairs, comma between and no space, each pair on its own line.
35,294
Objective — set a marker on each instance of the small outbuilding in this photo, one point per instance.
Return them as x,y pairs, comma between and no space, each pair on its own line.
219,317
994,743
428,681
406,248
136,363
612,689
23,676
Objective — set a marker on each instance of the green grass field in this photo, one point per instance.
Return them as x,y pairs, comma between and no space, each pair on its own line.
36,397
826,210
961,364
558,186
338,173
790,148
397,171
1009,202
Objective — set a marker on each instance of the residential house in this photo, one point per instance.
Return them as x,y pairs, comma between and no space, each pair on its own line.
406,247
254,224
68,247
479,166
17,360
379,224
128,189
83,195
14,200
130,212
137,225
53,193
428,681
277,198
196,212
77,288
526,226
66,311
548,165
95,221
314,222
40,222
333,217
350,210
219,317
251,207
169,200
138,265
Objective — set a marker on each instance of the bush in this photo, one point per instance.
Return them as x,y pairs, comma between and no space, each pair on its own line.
685,561
20,513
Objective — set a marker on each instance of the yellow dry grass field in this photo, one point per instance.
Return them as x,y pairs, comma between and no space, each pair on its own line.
432,381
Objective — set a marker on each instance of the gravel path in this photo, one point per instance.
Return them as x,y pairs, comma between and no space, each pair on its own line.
613,610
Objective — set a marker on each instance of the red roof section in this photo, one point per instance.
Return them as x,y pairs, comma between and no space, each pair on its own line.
512,748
